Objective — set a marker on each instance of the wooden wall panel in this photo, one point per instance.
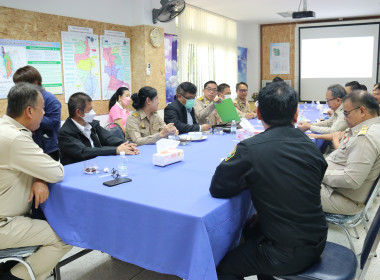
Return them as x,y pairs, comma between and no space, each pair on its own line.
279,33
145,53
26,25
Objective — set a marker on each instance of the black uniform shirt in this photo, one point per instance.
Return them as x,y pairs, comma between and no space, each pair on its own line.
283,169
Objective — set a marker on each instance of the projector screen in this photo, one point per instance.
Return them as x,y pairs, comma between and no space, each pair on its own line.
336,55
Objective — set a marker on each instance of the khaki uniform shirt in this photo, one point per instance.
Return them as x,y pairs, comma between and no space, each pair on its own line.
335,123
242,107
214,118
355,165
21,161
143,130
203,108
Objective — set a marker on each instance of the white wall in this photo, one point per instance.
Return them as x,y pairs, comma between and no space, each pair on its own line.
169,27
124,12
248,36
133,12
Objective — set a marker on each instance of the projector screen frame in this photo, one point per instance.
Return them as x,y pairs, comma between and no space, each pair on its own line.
319,25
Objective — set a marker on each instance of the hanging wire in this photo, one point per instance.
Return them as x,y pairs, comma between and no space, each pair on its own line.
299,5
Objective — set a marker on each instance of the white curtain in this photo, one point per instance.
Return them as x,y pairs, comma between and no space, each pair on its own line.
207,48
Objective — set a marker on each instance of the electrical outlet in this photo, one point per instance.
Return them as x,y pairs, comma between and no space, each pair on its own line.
148,69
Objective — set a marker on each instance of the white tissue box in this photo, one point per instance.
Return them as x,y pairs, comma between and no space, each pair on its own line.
167,157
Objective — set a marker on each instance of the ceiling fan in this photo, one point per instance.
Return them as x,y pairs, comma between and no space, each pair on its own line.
169,10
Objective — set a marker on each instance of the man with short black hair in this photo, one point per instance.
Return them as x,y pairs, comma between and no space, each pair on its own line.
353,85
334,96
354,166
288,232
277,79
241,103
363,87
25,171
224,91
375,86
204,106
46,135
376,93
82,138
181,111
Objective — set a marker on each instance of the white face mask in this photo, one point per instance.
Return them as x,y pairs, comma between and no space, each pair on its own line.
227,96
89,117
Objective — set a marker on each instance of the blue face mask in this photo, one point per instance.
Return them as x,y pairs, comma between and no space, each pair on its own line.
189,104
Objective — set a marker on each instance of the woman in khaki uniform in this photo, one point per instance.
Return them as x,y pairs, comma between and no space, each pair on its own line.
144,126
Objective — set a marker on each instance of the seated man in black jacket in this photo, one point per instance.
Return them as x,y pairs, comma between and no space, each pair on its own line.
81,137
181,112
283,170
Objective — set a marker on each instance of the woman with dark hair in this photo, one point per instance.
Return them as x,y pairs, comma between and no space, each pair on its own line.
145,126
118,107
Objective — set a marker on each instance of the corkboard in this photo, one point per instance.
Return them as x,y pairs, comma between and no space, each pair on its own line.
278,33
145,53
26,25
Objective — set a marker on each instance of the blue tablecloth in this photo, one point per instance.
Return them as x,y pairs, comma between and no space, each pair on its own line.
312,115
164,220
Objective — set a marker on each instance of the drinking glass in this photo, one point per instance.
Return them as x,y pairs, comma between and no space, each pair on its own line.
90,166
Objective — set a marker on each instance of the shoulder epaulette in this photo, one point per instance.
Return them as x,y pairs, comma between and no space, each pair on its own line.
363,130
136,114
231,155
201,98
235,102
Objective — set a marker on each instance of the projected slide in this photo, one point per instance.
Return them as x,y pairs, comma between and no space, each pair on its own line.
337,57
336,54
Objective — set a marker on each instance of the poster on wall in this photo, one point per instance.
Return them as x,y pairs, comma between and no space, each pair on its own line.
115,64
171,69
44,56
81,70
242,64
279,58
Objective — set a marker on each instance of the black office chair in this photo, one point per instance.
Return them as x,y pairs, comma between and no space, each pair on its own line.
340,263
115,129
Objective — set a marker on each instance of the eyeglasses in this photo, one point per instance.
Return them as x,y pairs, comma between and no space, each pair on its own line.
346,113
328,100
212,89
187,98
115,173
243,90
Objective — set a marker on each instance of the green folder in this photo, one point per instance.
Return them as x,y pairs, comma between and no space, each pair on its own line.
227,111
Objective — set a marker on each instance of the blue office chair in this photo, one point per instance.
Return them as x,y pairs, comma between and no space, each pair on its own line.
345,222
19,254
340,263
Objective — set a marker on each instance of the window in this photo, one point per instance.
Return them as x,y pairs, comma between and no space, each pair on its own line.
207,48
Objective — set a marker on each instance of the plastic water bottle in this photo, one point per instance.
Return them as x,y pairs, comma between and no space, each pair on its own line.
233,127
123,165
